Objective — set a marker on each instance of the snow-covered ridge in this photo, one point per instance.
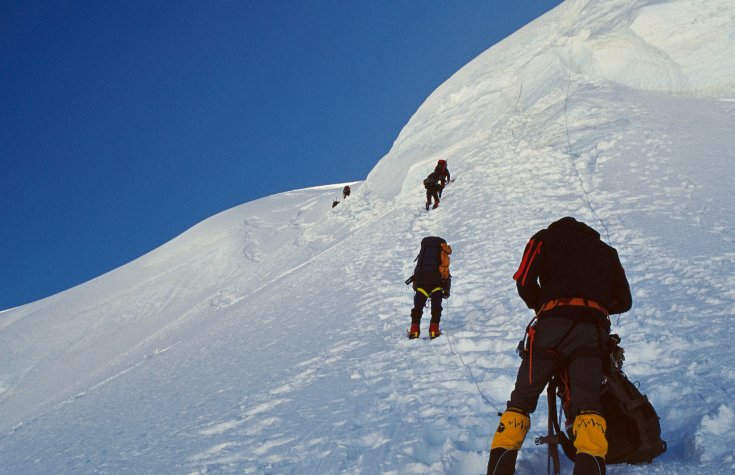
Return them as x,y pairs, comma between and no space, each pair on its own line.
681,48
269,338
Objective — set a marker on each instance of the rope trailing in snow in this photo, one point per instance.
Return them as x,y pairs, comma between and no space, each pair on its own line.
518,100
569,140
472,376
484,398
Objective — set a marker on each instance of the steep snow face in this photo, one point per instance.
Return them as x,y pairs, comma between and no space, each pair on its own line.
676,47
655,46
270,338
680,31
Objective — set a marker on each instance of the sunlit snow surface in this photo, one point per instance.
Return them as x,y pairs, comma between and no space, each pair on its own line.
270,338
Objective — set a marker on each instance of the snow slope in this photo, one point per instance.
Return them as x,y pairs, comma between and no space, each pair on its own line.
270,338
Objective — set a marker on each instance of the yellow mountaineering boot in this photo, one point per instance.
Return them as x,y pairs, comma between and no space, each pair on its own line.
508,438
589,439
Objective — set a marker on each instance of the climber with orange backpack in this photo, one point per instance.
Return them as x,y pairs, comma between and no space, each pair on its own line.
431,280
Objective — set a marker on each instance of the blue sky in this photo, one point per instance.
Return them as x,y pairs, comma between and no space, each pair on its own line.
125,123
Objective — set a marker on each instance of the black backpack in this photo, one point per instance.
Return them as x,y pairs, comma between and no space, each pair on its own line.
431,182
428,260
633,429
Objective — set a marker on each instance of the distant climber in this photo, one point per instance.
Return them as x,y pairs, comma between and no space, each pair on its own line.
433,187
442,172
346,191
573,281
431,280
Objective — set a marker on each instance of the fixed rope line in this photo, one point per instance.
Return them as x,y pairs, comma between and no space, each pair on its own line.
472,376
518,101
515,110
484,398
569,140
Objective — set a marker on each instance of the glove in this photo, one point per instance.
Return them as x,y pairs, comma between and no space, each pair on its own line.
445,293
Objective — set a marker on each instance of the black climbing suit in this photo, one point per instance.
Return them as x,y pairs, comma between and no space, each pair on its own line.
568,260
433,187
428,282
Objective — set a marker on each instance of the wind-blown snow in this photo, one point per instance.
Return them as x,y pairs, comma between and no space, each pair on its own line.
270,338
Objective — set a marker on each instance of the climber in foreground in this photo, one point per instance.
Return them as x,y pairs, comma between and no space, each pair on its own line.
573,281
431,280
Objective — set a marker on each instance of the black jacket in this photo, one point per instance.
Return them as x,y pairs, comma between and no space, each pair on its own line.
431,183
568,259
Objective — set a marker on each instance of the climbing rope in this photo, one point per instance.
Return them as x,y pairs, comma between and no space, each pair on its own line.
469,370
569,140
